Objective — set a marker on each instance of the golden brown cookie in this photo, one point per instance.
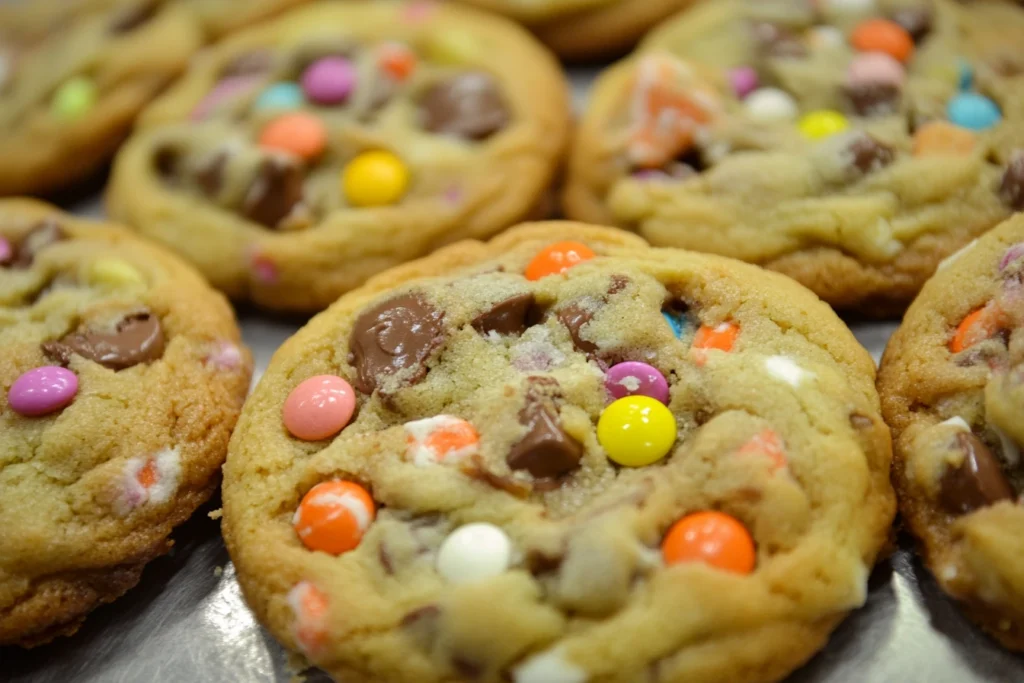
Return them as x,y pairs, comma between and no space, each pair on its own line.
951,385
849,145
558,457
298,158
122,375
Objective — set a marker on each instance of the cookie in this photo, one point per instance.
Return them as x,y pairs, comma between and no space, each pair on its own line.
220,17
849,145
297,159
950,384
72,82
122,376
587,29
561,456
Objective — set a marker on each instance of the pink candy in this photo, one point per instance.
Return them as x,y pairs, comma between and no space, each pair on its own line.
875,68
6,251
636,379
1012,254
227,89
329,80
41,391
744,80
319,407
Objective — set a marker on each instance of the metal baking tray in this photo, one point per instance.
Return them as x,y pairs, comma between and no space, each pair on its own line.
186,621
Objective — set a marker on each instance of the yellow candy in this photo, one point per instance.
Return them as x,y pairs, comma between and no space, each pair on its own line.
374,179
112,272
453,47
636,431
822,124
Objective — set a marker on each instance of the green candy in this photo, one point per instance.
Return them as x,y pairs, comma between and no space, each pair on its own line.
74,98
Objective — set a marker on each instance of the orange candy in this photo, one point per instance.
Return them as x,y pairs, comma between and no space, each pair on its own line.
297,133
940,137
980,325
309,606
557,258
882,35
766,442
713,538
148,475
333,516
435,439
397,60
720,337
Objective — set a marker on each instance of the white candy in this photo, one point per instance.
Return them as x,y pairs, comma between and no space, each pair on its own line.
785,369
771,104
823,37
474,552
958,422
549,667
850,6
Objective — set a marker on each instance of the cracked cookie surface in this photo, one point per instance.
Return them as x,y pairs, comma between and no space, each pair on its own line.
557,457
122,375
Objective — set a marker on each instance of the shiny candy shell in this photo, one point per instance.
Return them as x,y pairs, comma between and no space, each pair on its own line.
633,378
282,95
43,390
875,68
298,133
6,251
557,258
713,538
333,516
744,80
329,80
377,178
973,111
817,125
74,98
882,35
474,552
771,104
319,407
636,431
111,272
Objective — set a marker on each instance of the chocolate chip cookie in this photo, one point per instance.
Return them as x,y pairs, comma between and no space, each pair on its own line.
851,145
122,377
951,385
73,76
295,160
561,456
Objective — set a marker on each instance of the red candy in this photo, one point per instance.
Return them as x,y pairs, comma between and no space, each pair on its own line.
558,258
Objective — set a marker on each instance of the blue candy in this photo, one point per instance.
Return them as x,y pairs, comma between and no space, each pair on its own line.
677,322
281,96
973,111
966,75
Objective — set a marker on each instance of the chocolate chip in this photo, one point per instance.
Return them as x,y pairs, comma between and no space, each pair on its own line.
870,155
618,284
251,63
546,451
210,175
505,317
874,99
166,160
477,469
469,106
44,234
131,18
861,422
137,338
395,335
539,563
276,189
778,41
1012,187
978,482
574,316
917,21
467,669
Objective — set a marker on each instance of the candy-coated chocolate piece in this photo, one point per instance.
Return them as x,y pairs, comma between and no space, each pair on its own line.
721,337
377,178
298,133
714,538
6,252
43,390
474,552
636,431
319,407
113,272
744,80
1012,254
978,326
771,104
329,80
875,68
633,378
677,321
823,123
942,138
283,95
973,111
965,74
766,443
396,60
882,35
74,98
333,516
557,258
310,606
442,438
227,89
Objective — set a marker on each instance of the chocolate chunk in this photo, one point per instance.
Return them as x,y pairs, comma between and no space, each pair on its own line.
618,284
874,99
166,160
1012,187
870,155
505,317
539,563
395,335
477,469
861,422
44,234
137,338
421,625
546,451
210,176
251,63
469,106
276,189
131,18
778,41
574,316
467,669
976,483
916,20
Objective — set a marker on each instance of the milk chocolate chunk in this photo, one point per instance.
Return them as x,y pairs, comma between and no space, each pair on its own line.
575,316
1012,187
917,21
395,335
274,192
978,482
874,99
505,317
210,175
137,338
43,235
469,106
870,155
546,451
